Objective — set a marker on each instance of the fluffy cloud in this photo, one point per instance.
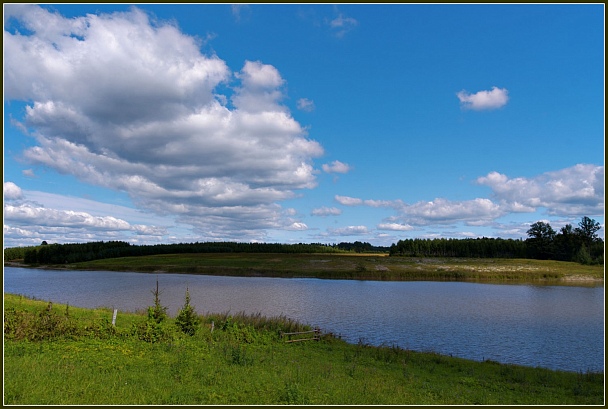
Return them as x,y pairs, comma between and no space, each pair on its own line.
143,116
326,211
574,191
349,231
395,227
298,226
493,99
336,167
12,191
28,221
442,211
348,201
354,201
51,217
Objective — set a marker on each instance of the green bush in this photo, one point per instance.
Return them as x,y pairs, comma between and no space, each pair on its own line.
47,325
158,313
152,331
187,320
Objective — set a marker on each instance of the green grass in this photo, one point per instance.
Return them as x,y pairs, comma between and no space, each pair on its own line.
362,267
245,361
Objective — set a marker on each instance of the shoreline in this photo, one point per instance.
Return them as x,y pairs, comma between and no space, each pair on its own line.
368,267
250,353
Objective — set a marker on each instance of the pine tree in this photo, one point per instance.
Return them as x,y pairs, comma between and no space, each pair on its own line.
159,312
186,319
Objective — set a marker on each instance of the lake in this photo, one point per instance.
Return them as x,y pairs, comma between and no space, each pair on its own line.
557,327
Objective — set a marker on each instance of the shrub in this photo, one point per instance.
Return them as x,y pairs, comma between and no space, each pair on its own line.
158,313
154,329
187,320
583,256
37,327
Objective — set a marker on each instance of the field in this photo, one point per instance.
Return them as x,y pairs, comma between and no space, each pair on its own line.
60,355
358,266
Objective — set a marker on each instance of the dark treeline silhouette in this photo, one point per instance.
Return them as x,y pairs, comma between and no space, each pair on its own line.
479,248
359,247
580,244
78,252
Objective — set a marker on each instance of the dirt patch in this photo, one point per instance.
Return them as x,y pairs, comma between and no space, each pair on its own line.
381,268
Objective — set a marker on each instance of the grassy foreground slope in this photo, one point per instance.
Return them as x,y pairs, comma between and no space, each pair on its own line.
59,355
357,266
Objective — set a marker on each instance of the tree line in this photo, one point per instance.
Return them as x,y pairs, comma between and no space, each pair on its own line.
580,244
80,252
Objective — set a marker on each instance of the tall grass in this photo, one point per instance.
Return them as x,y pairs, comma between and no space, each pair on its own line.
361,267
241,359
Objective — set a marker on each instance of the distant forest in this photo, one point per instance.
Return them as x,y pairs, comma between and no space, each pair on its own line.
79,252
580,244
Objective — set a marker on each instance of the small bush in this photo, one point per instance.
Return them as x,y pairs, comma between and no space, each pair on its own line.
187,320
151,331
47,324
100,329
17,324
158,313
154,329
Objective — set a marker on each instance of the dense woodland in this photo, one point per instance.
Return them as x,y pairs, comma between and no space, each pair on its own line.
580,244
78,252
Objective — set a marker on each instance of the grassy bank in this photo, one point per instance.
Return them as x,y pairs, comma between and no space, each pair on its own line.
64,355
358,266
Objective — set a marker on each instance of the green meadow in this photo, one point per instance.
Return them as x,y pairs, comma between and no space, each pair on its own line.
62,355
358,266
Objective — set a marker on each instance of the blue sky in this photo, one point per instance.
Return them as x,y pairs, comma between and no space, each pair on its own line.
300,122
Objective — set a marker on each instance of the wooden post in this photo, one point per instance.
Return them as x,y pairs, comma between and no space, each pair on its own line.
114,317
212,325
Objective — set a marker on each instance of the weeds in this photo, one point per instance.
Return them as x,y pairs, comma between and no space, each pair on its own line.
293,395
238,355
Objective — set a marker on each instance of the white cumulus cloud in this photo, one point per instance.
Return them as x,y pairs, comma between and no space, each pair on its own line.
12,191
336,167
52,217
395,227
349,231
443,211
348,201
326,211
298,226
574,191
144,116
484,100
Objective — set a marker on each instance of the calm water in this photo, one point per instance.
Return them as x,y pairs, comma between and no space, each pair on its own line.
549,326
